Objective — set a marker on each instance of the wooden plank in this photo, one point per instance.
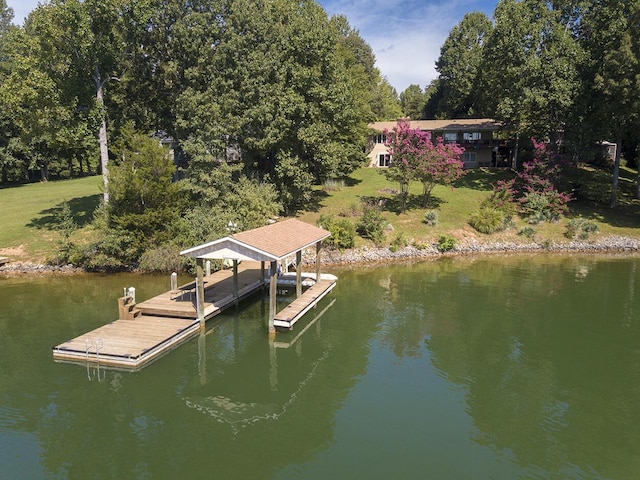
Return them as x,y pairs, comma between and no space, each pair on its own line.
301,305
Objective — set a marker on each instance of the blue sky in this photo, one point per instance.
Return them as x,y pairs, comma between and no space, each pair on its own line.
405,35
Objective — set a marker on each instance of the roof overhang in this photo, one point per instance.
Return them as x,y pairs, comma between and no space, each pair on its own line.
267,244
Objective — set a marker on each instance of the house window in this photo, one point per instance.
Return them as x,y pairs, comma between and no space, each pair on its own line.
450,137
381,138
471,136
470,159
384,159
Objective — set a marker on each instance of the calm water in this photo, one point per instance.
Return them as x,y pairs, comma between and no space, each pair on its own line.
517,367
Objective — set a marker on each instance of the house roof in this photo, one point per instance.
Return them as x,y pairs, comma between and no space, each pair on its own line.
468,124
269,243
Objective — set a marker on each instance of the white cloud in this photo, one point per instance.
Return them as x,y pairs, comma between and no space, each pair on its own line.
406,35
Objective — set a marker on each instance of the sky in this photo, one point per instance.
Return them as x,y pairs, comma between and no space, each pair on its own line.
405,35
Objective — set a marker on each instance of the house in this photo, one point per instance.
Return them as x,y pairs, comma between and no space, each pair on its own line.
476,135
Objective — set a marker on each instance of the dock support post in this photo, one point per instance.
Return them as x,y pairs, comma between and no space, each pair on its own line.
235,280
273,290
318,251
200,291
262,274
299,273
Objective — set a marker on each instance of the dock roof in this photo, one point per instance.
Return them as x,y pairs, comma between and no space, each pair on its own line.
269,243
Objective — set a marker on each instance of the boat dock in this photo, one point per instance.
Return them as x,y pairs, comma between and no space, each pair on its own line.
159,324
146,330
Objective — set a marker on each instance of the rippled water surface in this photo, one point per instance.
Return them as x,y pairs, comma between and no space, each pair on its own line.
516,367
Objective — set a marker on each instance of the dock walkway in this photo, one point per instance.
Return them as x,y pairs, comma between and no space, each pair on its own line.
167,320
301,305
164,322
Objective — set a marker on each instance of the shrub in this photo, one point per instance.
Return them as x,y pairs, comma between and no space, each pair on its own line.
398,242
580,227
343,231
333,184
528,232
488,220
431,218
446,243
162,259
418,245
372,225
543,207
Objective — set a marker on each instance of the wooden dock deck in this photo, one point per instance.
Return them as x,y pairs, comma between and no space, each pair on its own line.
301,305
165,321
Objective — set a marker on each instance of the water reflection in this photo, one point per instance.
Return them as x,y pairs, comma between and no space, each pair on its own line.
516,367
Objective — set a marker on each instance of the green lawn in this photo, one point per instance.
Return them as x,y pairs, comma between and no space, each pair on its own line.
454,205
28,214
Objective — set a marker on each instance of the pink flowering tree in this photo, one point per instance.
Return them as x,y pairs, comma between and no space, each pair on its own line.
535,188
439,164
415,157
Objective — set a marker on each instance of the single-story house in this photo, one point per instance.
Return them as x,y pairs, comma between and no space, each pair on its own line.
476,135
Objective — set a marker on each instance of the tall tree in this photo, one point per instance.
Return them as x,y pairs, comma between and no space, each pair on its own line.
459,65
611,36
530,79
412,102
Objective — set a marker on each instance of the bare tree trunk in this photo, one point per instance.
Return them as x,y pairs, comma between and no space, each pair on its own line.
102,135
616,174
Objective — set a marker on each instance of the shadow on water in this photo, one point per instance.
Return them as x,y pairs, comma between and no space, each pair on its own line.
82,209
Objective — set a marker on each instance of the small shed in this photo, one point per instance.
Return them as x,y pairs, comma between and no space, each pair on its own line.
271,243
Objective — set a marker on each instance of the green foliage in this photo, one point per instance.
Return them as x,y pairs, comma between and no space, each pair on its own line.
431,218
528,232
165,258
460,64
412,102
446,243
488,220
540,207
398,242
580,227
343,231
372,225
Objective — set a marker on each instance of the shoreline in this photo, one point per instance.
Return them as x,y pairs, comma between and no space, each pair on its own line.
383,255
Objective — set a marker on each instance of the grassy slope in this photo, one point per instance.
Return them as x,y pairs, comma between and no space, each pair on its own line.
28,214
28,211
455,205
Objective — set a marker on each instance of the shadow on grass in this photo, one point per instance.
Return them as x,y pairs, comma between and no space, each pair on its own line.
483,179
82,209
393,203
316,202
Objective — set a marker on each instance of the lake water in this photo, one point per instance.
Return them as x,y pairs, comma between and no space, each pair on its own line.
472,368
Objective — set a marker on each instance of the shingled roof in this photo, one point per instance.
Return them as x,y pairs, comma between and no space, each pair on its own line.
269,243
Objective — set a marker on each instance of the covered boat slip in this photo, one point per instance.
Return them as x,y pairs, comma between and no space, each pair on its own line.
146,330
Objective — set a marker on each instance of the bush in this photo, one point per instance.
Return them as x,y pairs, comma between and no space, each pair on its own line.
446,243
431,218
580,227
398,242
372,225
162,259
543,207
343,231
488,220
528,232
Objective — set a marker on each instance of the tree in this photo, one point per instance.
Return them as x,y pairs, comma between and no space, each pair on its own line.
530,78
412,102
274,88
437,164
459,65
87,37
610,35
415,157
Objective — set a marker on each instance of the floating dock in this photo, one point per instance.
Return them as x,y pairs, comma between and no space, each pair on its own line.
161,323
